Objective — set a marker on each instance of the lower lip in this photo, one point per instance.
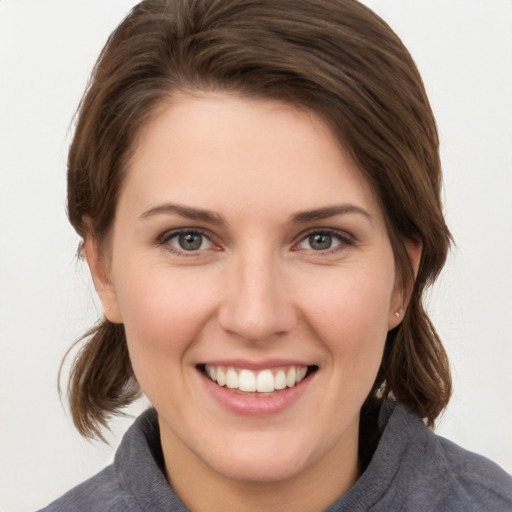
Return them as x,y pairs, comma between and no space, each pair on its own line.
248,405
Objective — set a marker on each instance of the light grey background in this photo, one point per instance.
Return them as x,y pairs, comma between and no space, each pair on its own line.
47,49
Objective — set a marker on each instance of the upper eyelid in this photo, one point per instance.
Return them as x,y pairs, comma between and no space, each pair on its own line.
163,243
166,235
171,233
342,234
345,239
330,231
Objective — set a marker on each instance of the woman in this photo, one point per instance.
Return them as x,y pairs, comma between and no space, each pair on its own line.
257,184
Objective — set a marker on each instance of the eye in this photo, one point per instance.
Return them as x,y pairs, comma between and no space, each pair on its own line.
324,241
320,241
186,241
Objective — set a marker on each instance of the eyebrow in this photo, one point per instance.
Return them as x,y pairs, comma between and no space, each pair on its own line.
210,217
187,212
329,211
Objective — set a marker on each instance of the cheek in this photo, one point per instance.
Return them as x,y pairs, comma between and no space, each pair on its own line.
163,313
350,313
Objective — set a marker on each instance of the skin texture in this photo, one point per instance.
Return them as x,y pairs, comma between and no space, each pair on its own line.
256,291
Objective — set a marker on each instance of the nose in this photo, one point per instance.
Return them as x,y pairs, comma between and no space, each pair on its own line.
257,305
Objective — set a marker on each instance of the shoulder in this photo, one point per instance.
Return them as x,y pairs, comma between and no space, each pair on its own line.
433,473
135,482
469,476
130,483
101,492
414,470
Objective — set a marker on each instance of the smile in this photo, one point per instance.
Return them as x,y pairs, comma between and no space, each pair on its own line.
263,381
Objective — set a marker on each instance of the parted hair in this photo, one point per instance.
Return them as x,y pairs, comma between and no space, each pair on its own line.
335,57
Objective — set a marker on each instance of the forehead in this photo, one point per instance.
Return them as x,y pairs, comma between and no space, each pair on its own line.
223,150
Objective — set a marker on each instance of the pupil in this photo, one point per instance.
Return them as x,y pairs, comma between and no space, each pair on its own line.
190,241
320,242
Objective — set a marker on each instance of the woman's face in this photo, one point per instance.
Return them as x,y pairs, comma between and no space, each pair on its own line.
248,249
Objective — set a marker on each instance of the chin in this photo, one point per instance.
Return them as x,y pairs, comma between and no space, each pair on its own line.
260,469
265,457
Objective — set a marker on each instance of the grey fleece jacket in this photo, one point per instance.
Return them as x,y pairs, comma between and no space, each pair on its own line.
412,469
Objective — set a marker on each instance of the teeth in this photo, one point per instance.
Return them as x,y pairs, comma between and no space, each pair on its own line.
264,381
290,377
231,379
247,381
221,377
280,380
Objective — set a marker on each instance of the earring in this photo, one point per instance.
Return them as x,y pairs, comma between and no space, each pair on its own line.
398,313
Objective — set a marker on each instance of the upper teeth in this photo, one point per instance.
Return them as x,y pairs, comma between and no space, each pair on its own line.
264,381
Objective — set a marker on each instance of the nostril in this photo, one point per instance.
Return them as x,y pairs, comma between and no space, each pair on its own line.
257,314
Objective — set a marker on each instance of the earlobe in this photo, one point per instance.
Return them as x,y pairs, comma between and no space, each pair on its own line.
395,316
102,283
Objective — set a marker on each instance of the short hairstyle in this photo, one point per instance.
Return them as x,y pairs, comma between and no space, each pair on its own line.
334,57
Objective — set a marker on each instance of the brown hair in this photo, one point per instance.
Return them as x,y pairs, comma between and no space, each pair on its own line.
335,57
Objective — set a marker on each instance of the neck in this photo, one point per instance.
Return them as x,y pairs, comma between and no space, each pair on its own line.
201,488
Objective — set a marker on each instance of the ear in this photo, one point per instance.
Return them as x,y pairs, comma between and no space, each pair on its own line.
402,293
414,247
98,265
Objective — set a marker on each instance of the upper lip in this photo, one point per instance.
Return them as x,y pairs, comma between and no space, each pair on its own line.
255,365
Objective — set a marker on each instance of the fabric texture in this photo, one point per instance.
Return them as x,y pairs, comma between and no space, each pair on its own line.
412,469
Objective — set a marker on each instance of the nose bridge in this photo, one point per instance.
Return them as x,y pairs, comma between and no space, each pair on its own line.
257,304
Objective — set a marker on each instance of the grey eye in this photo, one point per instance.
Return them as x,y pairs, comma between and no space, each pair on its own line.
324,241
190,241
320,241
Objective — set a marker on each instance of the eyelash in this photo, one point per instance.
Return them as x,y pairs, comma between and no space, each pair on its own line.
342,237
169,235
